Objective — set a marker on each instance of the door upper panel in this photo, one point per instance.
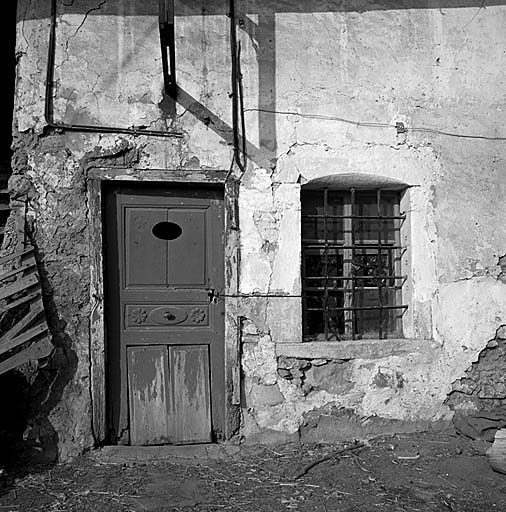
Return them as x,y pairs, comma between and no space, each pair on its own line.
152,259
145,255
187,254
167,244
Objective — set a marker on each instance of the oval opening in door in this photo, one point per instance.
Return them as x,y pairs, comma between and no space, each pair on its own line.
167,230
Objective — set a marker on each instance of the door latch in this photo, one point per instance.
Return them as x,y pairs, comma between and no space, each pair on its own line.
213,295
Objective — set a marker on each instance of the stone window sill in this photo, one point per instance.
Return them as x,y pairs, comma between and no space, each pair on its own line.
358,349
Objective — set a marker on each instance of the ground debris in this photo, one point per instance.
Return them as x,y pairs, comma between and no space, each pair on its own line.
330,456
259,481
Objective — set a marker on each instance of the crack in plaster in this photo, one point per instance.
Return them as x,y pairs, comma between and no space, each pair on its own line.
502,265
98,8
62,21
25,13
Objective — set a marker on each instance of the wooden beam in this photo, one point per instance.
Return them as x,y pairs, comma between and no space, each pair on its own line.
17,270
16,254
36,310
37,350
18,302
23,338
18,286
168,45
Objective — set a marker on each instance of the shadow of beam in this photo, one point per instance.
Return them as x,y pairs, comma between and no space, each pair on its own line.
259,156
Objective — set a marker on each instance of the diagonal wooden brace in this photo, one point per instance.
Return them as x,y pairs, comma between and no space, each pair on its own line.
168,45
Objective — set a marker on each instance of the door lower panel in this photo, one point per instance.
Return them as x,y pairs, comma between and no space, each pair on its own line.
169,394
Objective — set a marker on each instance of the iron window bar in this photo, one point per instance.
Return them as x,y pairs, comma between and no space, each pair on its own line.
355,249
361,308
381,281
356,246
353,254
326,261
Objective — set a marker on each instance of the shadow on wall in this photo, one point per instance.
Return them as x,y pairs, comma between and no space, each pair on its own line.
28,440
256,19
221,7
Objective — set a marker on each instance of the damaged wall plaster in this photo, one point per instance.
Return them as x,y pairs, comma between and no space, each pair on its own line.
483,386
428,68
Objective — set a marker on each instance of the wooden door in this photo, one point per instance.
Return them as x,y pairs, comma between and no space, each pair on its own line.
165,324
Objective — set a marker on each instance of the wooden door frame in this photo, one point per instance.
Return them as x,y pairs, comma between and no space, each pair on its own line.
97,349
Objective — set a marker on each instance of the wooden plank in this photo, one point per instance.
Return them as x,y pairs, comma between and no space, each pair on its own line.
23,338
18,286
189,396
17,270
16,254
38,350
35,311
178,176
231,286
20,301
147,390
97,331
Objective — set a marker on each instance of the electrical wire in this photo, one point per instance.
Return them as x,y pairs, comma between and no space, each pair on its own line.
237,97
374,125
260,295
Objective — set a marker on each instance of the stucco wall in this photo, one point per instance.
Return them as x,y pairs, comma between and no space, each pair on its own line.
323,89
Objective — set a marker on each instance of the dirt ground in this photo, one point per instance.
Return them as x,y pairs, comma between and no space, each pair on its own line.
432,471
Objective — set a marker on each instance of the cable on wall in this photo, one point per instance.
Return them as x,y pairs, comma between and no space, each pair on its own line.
237,98
375,125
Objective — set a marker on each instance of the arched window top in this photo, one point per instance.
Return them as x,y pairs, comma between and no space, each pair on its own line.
357,181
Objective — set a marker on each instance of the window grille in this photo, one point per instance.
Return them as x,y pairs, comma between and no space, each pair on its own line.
351,260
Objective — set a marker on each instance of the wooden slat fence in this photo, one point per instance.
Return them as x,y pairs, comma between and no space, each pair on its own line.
24,334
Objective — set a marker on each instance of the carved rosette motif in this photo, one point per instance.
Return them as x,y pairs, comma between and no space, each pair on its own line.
139,315
197,315
141,223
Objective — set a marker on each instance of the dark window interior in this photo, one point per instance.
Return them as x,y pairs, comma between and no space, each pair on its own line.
351,253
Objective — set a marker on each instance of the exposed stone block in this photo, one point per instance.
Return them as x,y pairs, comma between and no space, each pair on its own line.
496,390
265,396
334,377
484,384
501,333
388,379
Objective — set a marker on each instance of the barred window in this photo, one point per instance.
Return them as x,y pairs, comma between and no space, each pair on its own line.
351,262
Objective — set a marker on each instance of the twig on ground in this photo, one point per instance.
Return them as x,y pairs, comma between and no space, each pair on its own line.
330,456
408,457
323,504
357,460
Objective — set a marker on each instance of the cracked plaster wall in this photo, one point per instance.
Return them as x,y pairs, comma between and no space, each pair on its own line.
436,68
427,68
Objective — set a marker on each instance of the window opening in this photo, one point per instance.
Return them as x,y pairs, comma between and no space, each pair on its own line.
167,230
351,261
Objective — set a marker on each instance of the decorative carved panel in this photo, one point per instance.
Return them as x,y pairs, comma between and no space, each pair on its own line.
156,315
